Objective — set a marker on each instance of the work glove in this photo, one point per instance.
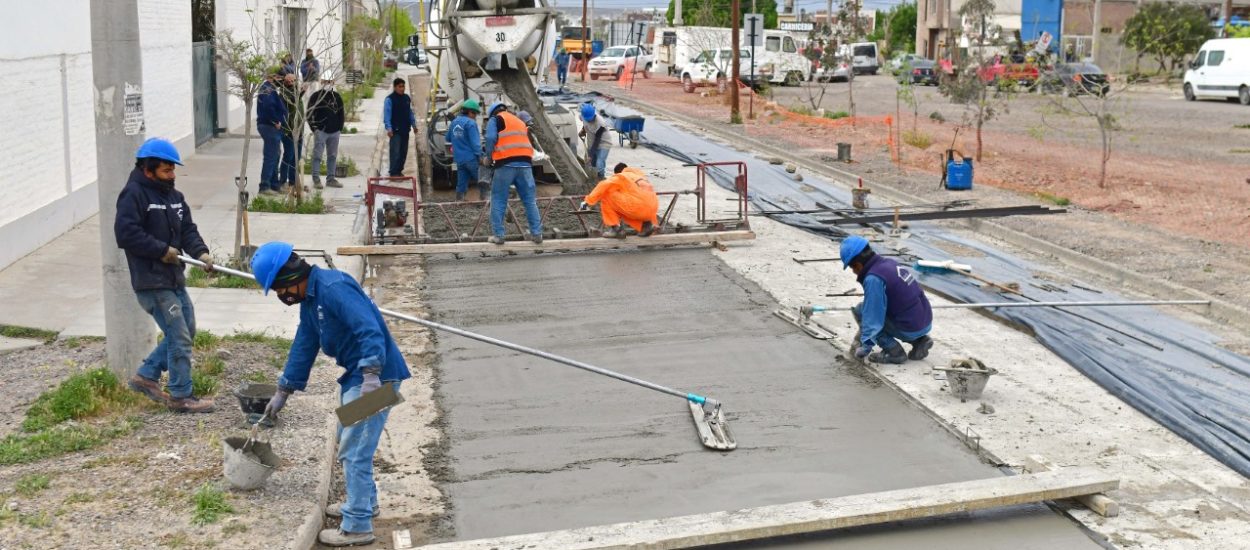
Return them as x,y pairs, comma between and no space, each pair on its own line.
208,261
372,382
583,206
276,403
863,351
171,256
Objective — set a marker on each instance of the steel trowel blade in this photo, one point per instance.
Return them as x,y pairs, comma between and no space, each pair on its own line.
713,429
807,325
368,405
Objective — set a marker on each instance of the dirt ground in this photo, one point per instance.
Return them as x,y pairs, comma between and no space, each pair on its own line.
1194,232
135,491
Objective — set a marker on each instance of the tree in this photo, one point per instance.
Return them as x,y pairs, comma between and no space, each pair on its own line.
1167,31
821,50
203,19
984,98
246,68
901,27
399,25
721,10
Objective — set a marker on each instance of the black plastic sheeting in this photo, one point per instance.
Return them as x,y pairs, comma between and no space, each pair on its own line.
1164,367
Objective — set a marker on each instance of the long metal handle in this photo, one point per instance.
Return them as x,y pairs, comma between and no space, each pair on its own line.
694,398
1105,303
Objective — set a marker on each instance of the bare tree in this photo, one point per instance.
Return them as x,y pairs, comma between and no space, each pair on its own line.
247,70
822,52
973,84
1072,91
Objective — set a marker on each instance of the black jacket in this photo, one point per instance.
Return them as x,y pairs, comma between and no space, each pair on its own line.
152,216
326,113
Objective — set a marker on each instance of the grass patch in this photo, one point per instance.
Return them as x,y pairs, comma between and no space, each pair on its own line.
346,162
258,377
203,384
68,438
288,205
31,484
28,333
253,337
233,529
76,498
800,109
917,139
1241,126
834,115
210,504
1053,199
199,278
1239,151
205,341
82,395
40,520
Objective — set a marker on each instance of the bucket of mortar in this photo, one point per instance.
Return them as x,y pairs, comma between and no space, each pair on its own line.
253,397
248,470
967,378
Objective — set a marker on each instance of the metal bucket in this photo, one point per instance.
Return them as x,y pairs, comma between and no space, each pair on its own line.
248,471
967,378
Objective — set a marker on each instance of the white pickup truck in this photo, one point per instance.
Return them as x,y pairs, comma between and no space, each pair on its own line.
613,61
713,67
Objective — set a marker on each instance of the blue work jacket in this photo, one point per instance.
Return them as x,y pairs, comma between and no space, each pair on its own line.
465,140
339,319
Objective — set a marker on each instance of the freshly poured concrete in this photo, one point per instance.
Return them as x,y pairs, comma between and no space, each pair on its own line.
536,446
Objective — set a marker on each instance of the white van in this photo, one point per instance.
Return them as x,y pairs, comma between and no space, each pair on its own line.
1220,70
863,57
779,61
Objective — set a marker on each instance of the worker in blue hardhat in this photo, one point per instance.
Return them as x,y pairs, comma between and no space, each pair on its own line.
595,132
894,307
153,225
337,317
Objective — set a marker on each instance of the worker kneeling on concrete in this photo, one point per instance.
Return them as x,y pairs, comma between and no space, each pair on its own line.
894,307
338,317
625,198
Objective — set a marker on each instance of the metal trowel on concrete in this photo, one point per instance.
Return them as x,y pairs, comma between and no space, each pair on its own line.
803,319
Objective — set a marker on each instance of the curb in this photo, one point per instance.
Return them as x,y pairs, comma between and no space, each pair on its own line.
1218,310
306,535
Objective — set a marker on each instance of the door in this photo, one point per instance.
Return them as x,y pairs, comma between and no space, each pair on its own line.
204,86
1215,75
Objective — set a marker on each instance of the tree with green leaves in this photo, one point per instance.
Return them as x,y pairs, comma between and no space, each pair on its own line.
399,24
901,27
721,10
1167,31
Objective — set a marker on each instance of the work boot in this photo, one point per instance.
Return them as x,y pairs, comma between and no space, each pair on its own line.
614,232
333,182
537,239
920,348
648,229
336,510
495,239
894,355
191,404
150,388
336,537
459,197
317,184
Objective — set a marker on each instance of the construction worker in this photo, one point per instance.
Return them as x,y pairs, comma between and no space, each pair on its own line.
465,138
625,198
153,225
894,307
509,151
338,317
595,131
562,66
398,118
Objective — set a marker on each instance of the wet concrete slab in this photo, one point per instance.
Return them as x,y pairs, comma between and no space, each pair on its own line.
537,446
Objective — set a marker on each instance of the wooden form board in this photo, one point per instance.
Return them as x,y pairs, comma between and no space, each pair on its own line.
1098,503
810,516
552,245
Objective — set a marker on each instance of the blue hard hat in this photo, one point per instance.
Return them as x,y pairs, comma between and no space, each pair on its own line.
494,107
588,112
267,260
159,148
525,117
851,247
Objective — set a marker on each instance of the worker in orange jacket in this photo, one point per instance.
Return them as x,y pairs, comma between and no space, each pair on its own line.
625,198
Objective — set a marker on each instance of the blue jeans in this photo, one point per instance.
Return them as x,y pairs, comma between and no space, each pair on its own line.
175,315
357,445
601,162
286,172
466,173
887,338
272,153
562,73
500,186
399,152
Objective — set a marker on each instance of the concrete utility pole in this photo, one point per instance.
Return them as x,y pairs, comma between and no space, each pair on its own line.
1227,12
585,42
735,115
1093,49
829,15
677,22
116,60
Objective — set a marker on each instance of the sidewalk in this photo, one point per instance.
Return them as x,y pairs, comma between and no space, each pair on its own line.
59,286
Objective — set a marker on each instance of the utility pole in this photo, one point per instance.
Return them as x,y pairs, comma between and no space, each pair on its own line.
677,22
116,61
1227,13
829,15
735,115
585,42
1093,53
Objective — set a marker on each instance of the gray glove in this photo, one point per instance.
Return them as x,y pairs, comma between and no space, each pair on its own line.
583,206
371,383
171,256
276,403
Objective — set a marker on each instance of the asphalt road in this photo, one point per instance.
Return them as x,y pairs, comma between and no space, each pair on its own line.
1155,120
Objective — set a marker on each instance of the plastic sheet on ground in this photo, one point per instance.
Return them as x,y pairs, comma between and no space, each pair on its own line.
1166,368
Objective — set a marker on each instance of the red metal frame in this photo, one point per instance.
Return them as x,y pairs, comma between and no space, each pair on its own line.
412,191
740,186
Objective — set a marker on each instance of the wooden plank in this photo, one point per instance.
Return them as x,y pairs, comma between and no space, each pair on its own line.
810,516
1100,504
552,245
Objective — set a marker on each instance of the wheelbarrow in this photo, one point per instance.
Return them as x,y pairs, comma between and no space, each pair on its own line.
629,128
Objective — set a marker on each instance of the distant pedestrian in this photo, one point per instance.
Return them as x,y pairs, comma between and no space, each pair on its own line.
510,153
399,119
310,67
562,66
325,117
595,131
288,64
466,148
153,225
292,131
270,118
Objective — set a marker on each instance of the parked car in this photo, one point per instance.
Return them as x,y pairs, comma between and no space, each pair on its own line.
416,56
835,73
1220,70
779,62
863,56
390,60
923,72
713,67
1075,79
612,62
901,59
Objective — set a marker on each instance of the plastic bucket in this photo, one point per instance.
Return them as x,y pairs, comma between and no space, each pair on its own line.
247,470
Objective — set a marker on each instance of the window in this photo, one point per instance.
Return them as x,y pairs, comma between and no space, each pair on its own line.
789,45
1201,60
772,43
1215,57
865,51
632,52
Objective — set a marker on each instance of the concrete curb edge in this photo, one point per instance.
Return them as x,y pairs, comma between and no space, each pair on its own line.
306,535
